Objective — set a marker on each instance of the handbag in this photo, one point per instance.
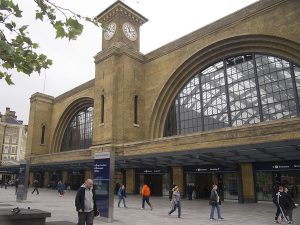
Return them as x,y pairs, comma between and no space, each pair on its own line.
213,203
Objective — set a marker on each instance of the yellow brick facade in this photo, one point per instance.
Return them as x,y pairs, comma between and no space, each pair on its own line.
122,72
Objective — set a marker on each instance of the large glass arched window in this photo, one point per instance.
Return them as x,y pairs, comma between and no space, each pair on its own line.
78,134
244,89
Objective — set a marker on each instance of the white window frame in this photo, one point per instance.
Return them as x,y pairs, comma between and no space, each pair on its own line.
14,140
6,139
15,149
6,149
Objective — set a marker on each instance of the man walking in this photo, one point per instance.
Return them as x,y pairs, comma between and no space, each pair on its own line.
122,195
281,205
85,203
36,186
145,196
215,201
16,185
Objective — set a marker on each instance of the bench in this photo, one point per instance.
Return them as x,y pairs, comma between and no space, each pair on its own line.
25,217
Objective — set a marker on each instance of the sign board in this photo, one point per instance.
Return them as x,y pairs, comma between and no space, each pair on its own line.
104,164
151,171
23,181
277,166
208,169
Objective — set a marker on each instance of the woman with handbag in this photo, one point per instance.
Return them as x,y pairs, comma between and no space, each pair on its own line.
215,201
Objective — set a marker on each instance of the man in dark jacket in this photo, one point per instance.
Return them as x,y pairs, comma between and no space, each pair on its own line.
281,204
36,187
290,204
85,203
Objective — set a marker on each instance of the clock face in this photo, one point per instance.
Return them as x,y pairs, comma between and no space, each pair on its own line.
129,31
110,31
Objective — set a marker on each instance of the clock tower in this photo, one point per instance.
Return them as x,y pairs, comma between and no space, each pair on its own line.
121,26
119,79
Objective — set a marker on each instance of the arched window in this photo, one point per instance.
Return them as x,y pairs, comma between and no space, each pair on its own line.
43,134
78,134
244,89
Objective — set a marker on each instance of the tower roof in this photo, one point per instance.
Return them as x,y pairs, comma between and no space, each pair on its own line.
119,8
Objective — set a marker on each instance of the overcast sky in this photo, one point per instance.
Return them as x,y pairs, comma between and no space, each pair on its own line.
73,62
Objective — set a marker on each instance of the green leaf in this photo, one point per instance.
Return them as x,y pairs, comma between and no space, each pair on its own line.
39,15
9,26
8,80
23,28
8,65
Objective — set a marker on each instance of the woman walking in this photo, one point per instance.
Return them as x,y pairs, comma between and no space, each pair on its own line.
61,188
122,195
175,202
215,201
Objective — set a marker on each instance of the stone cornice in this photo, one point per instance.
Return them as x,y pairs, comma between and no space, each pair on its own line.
119,48
221,24
41,97
86,85
119,8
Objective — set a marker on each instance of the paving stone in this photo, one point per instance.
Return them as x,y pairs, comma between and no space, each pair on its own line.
194,212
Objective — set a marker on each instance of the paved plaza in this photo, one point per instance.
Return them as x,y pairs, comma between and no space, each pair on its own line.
193,212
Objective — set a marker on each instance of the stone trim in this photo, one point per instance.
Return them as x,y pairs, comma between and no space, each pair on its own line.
118,49
119,8
221,24
82,87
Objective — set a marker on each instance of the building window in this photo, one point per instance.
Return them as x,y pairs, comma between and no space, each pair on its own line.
4,157
6,149
14,131
245,89
43,134
135,119
6,139
102,109
14,140
13,150
78,134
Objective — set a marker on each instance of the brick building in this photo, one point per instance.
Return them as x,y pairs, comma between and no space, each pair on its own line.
219,105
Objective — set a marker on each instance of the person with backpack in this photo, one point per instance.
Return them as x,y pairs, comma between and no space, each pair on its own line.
215,201
145,196
175,202
122,196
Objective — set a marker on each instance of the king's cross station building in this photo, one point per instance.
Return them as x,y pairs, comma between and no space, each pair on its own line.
220,105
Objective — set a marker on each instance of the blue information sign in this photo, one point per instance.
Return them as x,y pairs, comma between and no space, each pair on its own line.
102,182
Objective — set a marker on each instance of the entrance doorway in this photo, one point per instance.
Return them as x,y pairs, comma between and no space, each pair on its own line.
76,180
265,180
154,181
203,182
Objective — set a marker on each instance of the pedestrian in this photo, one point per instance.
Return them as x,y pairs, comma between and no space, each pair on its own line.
190,189
117,188
16,185
36,187
290,205
85,203
122,195
175,202
171,192
61,188
146,196
281,204
5,184
215,202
